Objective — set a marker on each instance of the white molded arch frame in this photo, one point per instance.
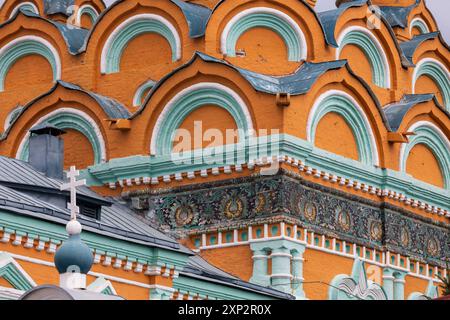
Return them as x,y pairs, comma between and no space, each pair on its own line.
125,24
446,143
82,10
420,24
274,12
56,64
27,4
358,108
76,112
375,41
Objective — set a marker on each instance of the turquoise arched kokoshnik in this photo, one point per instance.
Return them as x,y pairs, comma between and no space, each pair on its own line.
141,91
132,28
420,25
271,19
342,104
89,11
373,51
438,73
25,46
189,100
431,136
68,120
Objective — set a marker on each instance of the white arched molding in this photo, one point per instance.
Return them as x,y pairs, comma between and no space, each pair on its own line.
24,46
355,117
95,128
86,9
381,72
191,96
130,28
431,136
420,24
30,6
295,53
438,72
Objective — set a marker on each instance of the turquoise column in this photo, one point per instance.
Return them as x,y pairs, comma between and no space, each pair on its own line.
281,277
297,272
399,285
388,283
260,267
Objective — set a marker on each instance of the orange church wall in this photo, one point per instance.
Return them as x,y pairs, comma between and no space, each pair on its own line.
317,268
234,260
265,52
423,165
77,150
206,125
333,134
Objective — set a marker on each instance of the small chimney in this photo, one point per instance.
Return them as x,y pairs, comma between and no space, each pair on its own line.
46,150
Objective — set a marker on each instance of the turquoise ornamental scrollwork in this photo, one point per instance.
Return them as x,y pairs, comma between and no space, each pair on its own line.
26,46
132,28
89,11
140,92
271,19
342,104
356,286
373,51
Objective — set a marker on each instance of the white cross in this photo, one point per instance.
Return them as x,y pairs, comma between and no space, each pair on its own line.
72,186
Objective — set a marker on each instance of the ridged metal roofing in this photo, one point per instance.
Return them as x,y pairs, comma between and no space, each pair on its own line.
196,16
395,112
113,108
409,47
13,171
329,18
398,16
58,6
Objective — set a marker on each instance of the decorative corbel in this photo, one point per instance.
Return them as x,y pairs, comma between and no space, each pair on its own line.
399,137
119,124
283,99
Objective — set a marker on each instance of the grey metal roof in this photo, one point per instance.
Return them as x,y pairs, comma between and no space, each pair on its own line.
197,17
297,83
329,18
398,16
18,172
58,6
198,267
409,47
51,292
113,108
116,222
396,112
74,37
